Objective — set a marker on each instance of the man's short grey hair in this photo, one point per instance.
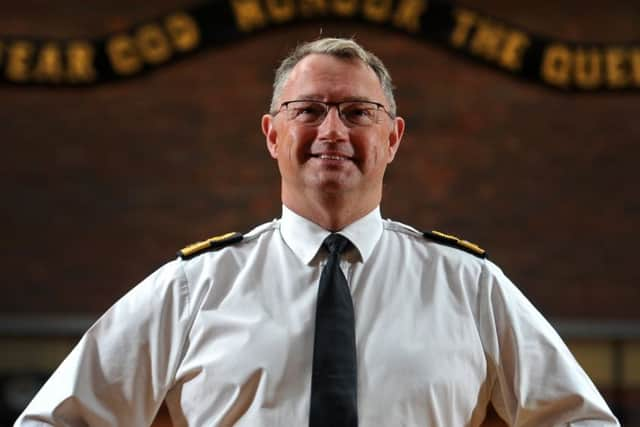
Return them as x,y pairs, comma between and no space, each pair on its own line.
346,49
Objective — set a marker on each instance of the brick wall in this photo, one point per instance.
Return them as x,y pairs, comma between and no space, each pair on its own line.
102,185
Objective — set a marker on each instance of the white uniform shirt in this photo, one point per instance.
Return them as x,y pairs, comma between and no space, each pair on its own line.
226,338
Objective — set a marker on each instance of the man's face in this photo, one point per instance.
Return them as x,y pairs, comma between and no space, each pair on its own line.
332,158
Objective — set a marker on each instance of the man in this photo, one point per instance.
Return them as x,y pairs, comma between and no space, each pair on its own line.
243,330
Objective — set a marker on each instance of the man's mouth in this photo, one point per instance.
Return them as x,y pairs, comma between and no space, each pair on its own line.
331,156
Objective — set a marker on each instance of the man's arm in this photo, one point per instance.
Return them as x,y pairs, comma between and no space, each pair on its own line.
119,372
537,381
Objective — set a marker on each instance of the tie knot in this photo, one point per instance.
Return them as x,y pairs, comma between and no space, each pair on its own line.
336,243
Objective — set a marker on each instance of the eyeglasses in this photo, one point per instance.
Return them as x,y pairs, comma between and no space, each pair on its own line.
352,113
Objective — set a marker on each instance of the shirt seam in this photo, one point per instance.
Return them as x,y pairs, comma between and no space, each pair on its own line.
259,231
494,364
191,315
398,227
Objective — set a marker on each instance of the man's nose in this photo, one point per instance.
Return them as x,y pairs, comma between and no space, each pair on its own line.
332,126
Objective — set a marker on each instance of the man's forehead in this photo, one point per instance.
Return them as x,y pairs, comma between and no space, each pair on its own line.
337,73
319,61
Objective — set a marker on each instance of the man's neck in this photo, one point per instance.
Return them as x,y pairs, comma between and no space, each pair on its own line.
331,212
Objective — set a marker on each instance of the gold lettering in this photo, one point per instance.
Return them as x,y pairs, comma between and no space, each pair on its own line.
408,14
487,39
153,44
513,50
377,10
615,61
345,7
49,64
313,7
556,65
281,10
19,56
635,66
80,66
123,54
588,68
465,20
183,30
249,15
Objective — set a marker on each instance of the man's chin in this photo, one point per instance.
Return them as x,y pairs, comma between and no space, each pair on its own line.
332,186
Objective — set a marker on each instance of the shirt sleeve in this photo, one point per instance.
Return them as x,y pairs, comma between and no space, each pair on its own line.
119,372
536,379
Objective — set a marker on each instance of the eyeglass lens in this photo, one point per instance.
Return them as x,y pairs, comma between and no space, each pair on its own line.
357,113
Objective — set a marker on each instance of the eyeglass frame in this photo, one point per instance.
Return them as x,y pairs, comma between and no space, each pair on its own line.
328,105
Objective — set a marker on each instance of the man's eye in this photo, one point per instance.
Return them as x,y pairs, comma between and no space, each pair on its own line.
358,112
309,110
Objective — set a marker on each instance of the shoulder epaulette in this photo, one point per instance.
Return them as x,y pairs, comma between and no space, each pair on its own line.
212,243
456,242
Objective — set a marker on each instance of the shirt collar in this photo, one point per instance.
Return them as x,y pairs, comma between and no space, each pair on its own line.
305,237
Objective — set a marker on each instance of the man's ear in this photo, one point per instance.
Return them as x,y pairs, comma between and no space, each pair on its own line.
395,136
271,136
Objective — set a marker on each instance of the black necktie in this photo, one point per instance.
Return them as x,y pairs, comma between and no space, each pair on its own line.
334,380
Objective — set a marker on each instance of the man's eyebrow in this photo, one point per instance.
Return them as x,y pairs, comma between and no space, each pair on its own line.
317,97
309,97
357,98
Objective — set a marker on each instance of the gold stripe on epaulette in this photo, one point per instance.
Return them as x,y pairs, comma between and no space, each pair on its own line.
206,244
462,244
222,237
472,247
446,236
194,247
